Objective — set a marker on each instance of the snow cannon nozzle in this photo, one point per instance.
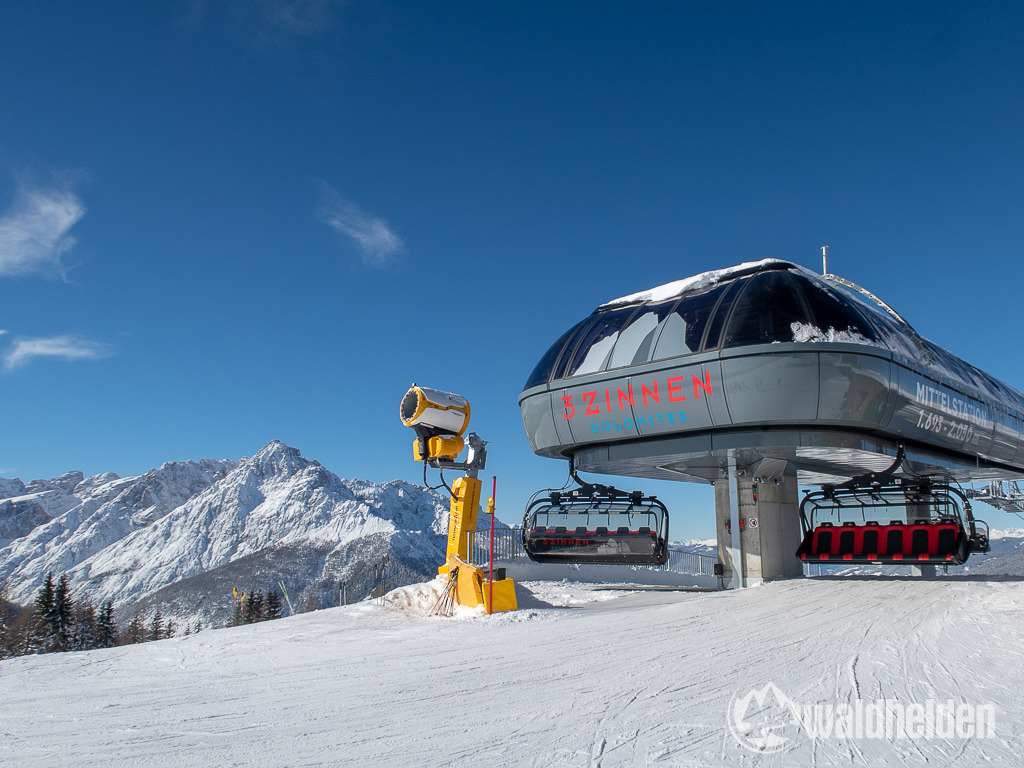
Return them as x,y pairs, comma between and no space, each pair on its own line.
439,419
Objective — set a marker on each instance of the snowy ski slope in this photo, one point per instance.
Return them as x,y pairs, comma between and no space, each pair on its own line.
578,677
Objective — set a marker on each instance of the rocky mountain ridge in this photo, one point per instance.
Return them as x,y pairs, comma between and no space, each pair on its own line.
183,536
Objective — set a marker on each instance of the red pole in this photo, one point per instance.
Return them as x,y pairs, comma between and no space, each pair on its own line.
490,577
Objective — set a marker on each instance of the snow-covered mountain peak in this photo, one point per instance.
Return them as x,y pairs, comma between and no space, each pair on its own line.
11,487
277,459
89,485
68,481
53,529
174,534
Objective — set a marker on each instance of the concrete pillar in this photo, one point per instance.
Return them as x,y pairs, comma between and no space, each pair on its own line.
769,529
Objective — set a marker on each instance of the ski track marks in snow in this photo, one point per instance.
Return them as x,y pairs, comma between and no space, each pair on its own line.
578,678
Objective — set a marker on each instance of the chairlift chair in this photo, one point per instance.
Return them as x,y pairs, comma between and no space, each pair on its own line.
900,523
596,525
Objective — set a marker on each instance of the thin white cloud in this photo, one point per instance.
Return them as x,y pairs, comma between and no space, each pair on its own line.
378,245
298,18
269,24
68,347
34,232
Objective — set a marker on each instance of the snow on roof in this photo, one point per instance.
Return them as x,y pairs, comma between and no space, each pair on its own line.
703,280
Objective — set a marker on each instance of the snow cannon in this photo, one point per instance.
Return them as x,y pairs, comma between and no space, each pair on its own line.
439,419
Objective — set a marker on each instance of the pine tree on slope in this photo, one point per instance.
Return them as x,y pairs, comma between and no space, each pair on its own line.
156,629
64,615
85,628
40,636
136,632
106,629
273,608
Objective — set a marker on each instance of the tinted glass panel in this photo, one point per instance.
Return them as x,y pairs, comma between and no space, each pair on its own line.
890,332
581,331
684,328
637,338
765,311
832,312
951,365
596,348
542,371
713,340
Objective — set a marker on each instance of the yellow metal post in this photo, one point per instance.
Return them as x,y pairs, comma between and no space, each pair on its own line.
462,519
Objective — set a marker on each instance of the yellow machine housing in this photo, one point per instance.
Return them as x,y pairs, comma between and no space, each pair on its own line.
474,589
438,447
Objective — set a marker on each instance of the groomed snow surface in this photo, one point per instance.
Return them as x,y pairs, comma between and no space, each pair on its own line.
580,676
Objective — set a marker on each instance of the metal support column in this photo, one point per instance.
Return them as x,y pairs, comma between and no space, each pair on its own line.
735,550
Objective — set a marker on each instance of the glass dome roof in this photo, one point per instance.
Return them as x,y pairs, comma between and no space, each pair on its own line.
765,302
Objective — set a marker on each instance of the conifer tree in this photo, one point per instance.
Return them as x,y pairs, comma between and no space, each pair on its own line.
170,629
136,632
85,626
273,609
64,615
17,637
40,636
156,629
106,629
188,628
199,626
254,608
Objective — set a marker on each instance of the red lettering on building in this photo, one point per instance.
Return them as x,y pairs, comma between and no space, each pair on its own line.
653,393
650,393
674,389
628,398
698,385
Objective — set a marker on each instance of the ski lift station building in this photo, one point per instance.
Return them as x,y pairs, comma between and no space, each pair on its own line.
758,378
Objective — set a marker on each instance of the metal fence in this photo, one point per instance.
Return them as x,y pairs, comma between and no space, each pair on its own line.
694,563
508,545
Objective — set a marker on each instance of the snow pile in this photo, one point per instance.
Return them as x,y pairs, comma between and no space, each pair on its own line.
807,333
689,284
417,599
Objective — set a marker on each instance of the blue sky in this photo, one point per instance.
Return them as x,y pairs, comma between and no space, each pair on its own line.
227,222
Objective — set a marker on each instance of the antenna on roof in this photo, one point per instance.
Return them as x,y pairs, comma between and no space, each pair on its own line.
824,259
